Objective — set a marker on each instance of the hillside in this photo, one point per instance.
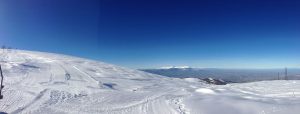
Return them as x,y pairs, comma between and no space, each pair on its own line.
40,83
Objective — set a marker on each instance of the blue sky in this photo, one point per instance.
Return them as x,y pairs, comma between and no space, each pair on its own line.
155,33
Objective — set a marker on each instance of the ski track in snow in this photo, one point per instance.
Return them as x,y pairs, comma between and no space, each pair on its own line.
37,82
32,102
44,78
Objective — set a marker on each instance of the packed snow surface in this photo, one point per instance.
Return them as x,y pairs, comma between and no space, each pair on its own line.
41,83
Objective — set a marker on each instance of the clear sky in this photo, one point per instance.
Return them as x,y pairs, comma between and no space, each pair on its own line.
155,33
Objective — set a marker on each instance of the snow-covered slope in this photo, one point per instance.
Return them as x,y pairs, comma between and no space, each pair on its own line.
39,83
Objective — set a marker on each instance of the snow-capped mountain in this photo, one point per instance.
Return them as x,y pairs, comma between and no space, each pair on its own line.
175,67
41,83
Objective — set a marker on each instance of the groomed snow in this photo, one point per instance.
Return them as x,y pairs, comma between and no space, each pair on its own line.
41,83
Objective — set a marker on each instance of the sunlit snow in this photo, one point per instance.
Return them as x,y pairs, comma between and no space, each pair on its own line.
40,83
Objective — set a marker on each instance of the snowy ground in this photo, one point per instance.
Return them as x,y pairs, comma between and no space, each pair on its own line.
40,83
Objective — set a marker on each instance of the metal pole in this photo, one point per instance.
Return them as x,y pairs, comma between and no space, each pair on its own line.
1,87
286,77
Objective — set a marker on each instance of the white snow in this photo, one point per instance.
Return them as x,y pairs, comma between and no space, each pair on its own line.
205,91
41,83
192,80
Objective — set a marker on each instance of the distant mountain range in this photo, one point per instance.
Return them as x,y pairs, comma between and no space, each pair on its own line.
228,75
178,67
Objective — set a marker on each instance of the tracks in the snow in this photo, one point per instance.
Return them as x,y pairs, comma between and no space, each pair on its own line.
86,74
57,82
39,96
180,106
